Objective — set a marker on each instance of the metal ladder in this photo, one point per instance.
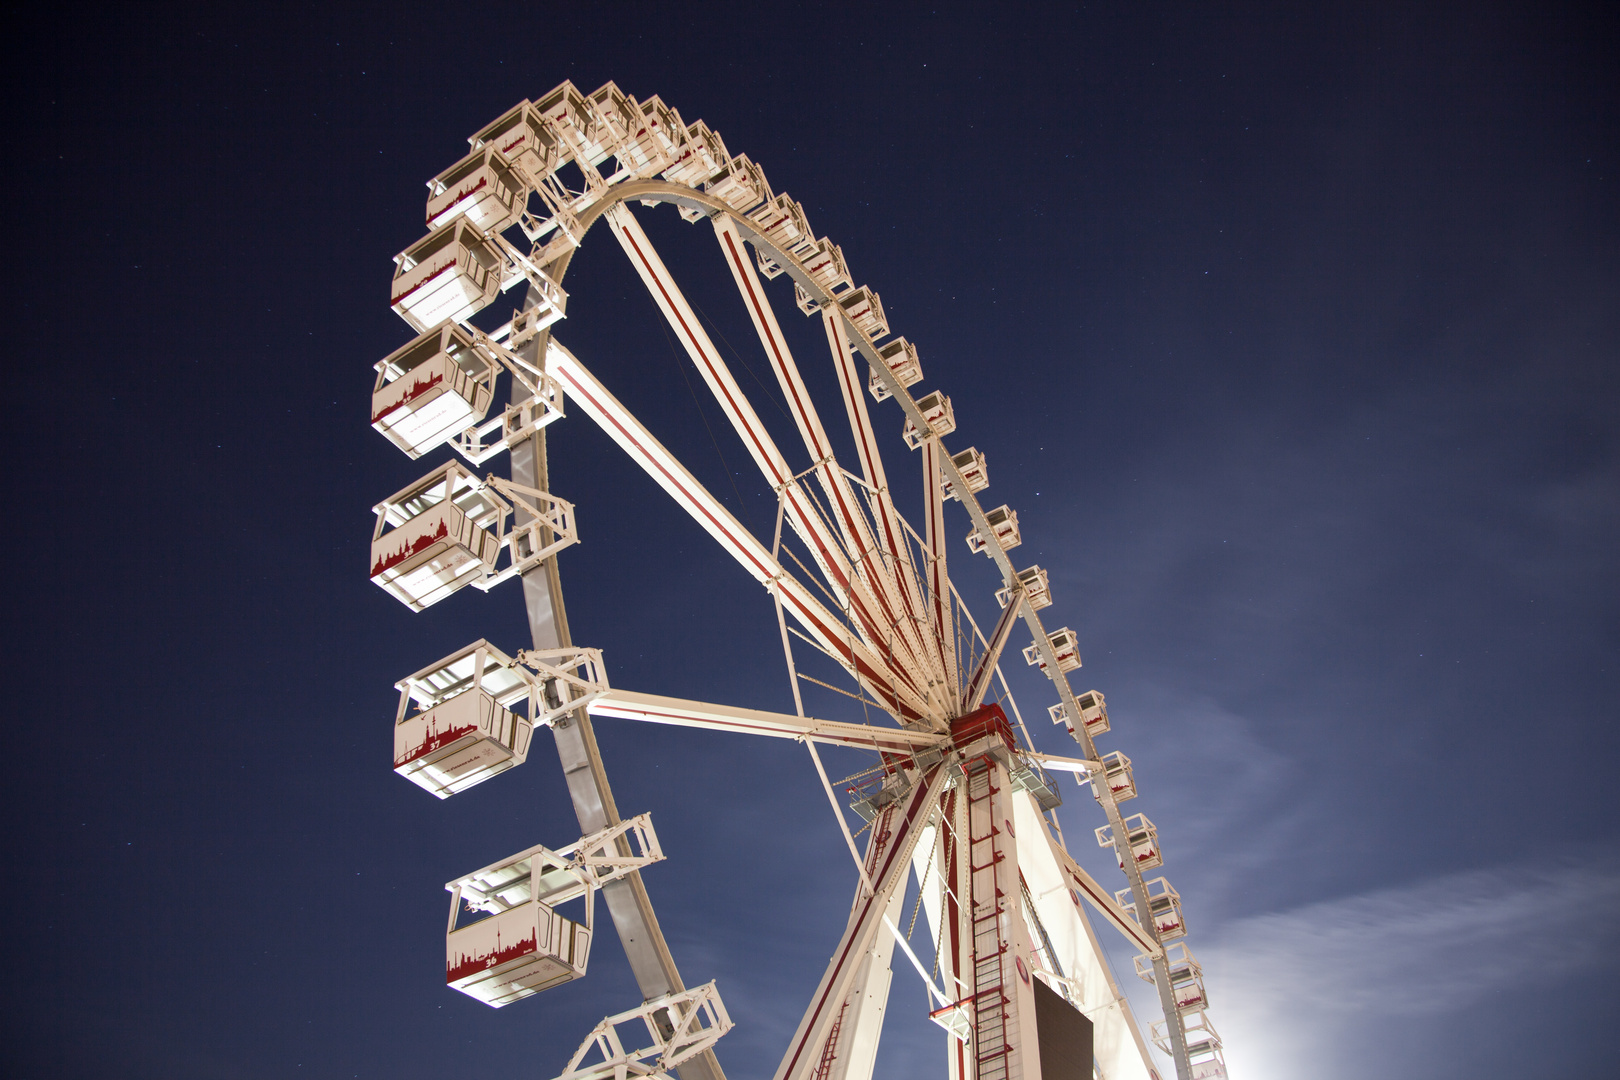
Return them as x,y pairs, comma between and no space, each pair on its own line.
991,1049
829,1052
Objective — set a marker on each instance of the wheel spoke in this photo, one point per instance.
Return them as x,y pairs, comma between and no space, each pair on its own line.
939,582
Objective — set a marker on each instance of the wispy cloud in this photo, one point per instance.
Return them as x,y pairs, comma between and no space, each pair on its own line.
1315,991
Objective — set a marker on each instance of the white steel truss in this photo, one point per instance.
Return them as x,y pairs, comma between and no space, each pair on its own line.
679,1027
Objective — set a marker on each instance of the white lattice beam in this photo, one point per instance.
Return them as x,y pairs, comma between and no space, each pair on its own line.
679,1027
1053,881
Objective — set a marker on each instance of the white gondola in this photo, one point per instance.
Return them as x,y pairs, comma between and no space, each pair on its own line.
937,414
1095,716
1117,771
1187,985
460,722
455,271
432,389
436,536
699,158
483,187
1143,838
864,310
1036,587
1203,1045
455,726
1164,905
646,149
451,273
781,221
571,116
975,473
1064,647
524,946
1003,526
522,950
615,117
826,267
577,125
900,357
741,186
529,142
1093,711
564,107
1186,977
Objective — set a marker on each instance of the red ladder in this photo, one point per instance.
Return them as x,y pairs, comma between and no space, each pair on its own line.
986,907
829,1052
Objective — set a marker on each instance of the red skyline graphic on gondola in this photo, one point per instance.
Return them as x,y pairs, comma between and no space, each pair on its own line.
465,965
460,195
434,740
421,543
451,265
417,390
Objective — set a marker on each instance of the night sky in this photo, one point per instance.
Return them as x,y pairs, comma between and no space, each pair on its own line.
1290,334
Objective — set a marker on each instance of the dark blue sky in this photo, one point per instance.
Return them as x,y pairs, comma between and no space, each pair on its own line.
1292,336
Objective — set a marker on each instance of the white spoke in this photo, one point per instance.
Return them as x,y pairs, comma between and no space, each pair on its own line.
939,582
980,682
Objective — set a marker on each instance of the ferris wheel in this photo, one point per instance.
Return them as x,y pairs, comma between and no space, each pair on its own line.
957,798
